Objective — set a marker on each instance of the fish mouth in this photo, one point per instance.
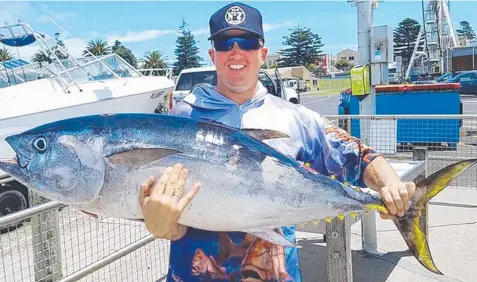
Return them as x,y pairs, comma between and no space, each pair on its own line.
252,272
11,166
21,162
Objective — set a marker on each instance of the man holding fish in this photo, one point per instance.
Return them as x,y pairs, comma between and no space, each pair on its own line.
264,165
240,100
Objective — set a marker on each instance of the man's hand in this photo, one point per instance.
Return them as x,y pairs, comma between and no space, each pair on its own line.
162,204
396,197
381,177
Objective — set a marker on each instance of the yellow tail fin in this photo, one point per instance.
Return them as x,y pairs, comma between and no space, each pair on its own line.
411,225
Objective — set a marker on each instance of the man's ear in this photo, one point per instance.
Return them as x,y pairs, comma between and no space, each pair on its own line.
263,53
212,55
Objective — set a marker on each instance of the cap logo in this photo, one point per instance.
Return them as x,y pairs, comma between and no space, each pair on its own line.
235,15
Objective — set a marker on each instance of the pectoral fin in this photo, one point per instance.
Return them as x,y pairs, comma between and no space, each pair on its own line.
273,237
262,134
140,156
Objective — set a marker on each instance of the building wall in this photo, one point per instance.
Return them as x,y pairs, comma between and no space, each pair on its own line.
349,55
271,59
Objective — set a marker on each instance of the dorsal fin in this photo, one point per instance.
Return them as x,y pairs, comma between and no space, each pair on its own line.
260,134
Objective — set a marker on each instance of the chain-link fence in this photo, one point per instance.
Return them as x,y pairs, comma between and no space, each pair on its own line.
448,138
59,243
52,242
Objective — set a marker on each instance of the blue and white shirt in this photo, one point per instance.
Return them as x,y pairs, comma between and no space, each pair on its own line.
235,256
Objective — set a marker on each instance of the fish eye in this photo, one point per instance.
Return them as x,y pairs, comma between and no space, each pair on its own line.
40,144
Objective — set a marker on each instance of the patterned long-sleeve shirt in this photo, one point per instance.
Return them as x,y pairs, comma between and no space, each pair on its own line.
314,140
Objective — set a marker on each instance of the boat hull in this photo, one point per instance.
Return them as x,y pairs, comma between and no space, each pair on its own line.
31,104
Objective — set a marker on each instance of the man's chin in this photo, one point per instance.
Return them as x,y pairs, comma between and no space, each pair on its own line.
239,88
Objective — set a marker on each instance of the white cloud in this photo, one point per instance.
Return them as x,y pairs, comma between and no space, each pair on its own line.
200,31
12,11
270,27
76,47
138,36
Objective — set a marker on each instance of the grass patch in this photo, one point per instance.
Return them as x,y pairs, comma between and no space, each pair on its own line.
325,92
333,84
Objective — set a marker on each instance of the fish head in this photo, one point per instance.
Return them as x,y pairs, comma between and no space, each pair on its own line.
59,165
258,262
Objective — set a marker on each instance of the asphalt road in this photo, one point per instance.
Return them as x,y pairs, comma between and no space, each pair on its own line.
466,148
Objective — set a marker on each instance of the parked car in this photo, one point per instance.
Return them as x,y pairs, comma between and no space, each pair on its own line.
467,80
188,78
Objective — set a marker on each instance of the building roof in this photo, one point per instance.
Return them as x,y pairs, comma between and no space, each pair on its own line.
348,50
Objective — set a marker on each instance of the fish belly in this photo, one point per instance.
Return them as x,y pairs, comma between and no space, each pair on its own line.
231,198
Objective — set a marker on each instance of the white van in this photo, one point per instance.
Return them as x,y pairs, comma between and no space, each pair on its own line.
188,78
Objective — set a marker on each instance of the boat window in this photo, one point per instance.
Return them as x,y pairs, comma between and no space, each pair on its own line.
89,69
103,68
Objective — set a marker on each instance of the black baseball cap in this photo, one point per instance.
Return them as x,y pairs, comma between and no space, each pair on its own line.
236,16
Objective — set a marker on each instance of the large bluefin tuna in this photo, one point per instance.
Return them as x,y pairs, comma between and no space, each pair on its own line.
97,164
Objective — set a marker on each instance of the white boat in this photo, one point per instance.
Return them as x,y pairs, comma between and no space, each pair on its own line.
35,93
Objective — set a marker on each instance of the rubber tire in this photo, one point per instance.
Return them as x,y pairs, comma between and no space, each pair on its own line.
19,203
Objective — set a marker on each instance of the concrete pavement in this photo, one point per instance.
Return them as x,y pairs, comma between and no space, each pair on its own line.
452,240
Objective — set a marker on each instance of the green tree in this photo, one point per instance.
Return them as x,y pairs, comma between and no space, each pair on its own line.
304,48
465,30
56,48
124,53
405,37
5,54
97,47
342,64
41,56
154,60
186,51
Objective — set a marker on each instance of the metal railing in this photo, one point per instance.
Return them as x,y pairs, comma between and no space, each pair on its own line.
448,138
53,242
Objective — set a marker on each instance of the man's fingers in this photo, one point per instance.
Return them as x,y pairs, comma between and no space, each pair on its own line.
394,190
160,186
388,200
385,215
403,193
144,190
173,178
189,196
411,189
180,184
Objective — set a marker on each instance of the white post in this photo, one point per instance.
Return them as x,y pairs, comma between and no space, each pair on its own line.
367,107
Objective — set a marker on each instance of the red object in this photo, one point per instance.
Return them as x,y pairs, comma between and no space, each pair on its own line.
416,87
171,101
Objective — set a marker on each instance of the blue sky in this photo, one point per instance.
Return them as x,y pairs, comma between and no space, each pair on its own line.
151,25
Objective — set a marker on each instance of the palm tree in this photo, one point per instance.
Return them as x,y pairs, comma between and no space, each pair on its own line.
154,60
5,55
41,56
98,47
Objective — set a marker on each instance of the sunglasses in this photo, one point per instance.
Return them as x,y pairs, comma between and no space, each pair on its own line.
245,43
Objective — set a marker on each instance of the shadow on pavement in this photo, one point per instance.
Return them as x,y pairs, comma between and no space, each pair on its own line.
366,267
